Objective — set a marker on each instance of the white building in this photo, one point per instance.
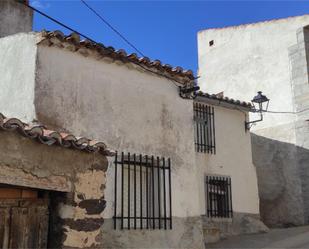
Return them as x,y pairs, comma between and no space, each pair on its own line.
190,150
270,56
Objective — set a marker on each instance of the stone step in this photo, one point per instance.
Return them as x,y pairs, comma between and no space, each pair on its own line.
211,234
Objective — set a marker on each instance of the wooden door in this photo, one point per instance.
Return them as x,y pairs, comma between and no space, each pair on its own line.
4,227
23,223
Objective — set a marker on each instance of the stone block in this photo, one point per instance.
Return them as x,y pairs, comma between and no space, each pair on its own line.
211,235
250,225
241,223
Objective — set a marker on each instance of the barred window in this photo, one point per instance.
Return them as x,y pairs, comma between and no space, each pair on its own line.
204,128
142,192
219,197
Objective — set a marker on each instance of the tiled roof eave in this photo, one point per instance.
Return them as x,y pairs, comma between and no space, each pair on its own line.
73,43
49,137
218,99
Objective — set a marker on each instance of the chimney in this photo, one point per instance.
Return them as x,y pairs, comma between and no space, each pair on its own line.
15,17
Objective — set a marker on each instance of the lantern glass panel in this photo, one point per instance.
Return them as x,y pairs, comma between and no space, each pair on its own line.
260,102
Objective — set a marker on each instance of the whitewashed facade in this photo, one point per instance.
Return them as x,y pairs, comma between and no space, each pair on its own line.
78,87
272,57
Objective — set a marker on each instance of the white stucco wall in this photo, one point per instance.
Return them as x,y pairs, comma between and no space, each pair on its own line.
248,58
233,158
14,18
131,111
17,70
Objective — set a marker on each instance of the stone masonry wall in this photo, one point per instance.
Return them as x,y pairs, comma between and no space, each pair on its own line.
75,181
299,57
281,203
82,218
282,167
241,223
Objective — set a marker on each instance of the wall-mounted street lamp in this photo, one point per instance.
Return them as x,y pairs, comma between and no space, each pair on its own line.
260,103
188,92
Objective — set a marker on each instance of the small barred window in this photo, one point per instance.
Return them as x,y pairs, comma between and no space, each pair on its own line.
219,197
204,128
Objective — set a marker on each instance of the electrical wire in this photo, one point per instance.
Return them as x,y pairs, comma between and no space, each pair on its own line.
58,22
175,82
111,27
283,112
275,112
123,37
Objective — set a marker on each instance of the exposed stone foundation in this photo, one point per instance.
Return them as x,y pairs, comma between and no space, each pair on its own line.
82,219
186,233
75,183
241,223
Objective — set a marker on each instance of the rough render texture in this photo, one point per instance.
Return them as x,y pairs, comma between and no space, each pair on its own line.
187,232
272,57
103,100
91,100
279,182
247,58
79,176
233,158
241,223
14,18
283,166
82,110
17,69
299,57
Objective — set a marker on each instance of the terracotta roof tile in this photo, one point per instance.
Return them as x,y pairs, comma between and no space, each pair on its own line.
220,97
50,137
74,39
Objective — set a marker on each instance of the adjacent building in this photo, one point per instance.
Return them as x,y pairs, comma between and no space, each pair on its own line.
178,163
231,205
271,56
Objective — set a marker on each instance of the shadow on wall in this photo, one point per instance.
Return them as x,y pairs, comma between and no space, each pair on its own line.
283,181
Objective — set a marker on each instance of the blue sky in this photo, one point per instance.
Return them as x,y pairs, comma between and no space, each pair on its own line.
164,30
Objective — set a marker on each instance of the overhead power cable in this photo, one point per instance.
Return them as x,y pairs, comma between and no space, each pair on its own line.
58,22
280,112
112,28
287,112
175,82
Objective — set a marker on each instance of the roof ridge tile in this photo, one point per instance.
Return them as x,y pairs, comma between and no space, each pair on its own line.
225,99
120,54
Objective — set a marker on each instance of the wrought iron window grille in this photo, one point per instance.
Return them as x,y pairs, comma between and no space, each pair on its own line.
204,128
142,192
219,197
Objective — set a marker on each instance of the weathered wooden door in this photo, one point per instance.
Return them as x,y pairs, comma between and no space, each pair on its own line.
23,223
